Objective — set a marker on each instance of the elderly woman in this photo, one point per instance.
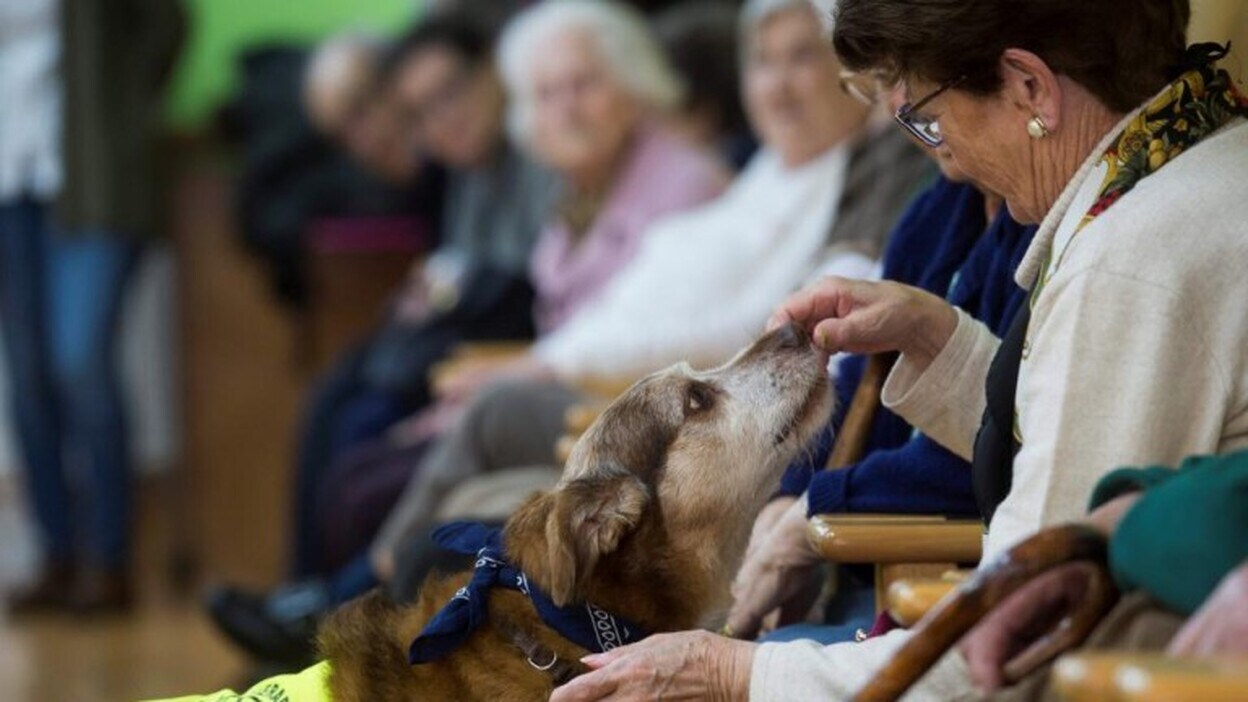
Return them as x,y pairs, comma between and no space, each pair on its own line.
585,79
1099,125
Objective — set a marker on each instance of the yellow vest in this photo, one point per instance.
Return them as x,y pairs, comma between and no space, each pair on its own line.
310,685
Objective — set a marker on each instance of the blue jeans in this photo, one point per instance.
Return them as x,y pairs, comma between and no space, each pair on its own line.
851,609
60,300
342,413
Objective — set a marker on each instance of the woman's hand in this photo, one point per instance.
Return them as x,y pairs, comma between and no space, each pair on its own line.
1027,622
773,574
691,665
1025,619
766,520
1220,626
871,317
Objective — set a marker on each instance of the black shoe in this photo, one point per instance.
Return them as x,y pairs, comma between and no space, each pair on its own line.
102,591
280,626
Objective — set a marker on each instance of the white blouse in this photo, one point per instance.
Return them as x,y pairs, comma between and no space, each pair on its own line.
705,281
30,99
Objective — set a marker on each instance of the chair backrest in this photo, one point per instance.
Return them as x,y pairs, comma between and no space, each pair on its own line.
851,441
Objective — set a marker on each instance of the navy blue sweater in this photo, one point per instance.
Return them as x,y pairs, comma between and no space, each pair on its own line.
941,246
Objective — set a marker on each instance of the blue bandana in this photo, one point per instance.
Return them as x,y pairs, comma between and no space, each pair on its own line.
583,624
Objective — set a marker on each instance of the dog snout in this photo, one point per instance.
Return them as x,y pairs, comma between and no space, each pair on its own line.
788,337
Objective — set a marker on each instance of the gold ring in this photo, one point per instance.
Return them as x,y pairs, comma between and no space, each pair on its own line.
727,631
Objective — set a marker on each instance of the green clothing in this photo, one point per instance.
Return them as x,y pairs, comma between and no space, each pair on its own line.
309,685
1188,531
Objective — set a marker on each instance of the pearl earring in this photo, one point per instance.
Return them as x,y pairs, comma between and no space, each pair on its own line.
1036,128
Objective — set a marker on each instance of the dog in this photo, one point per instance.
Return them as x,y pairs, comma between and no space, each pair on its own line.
649,522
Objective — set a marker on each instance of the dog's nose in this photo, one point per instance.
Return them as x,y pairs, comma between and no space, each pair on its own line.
790,336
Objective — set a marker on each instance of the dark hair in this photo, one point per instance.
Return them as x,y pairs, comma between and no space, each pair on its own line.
1122,53
466,29
696,36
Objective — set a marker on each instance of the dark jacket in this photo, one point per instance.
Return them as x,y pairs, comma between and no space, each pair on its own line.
940,246
117,56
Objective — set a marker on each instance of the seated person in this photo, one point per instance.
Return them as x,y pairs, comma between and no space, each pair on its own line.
1187,588
585,106
473,286
1130,349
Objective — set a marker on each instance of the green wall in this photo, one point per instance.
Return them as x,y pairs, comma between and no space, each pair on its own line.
220,29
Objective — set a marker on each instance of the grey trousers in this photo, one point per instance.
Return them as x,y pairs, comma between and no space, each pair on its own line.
510,425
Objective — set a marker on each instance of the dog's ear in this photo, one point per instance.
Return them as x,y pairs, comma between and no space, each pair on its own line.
590,517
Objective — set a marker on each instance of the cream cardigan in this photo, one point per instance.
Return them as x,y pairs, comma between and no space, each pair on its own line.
1137,354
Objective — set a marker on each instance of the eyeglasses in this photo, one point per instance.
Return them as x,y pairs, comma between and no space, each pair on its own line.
925,129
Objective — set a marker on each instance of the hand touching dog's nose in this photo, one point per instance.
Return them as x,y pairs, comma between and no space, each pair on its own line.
870,317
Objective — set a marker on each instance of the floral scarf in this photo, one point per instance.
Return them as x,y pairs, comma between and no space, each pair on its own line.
1197,104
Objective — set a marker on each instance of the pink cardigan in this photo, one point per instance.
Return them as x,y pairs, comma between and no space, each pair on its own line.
664,175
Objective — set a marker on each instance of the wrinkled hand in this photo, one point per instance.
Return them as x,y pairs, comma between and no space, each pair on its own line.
1220,626
774,574
1026,622
766,520
691,665
1106,517
1023,622
870,317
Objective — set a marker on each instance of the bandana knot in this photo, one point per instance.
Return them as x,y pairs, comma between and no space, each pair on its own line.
584,624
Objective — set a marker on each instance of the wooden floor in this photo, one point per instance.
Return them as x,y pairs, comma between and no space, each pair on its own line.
165,647
222,514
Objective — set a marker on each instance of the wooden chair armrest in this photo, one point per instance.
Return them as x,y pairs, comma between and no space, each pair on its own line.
605,387
476,354
881,538
563,448
909,599
1135,677
490,349
578,417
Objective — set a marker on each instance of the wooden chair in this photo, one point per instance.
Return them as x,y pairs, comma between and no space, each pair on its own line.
1136,677
910,599
900,546
477,354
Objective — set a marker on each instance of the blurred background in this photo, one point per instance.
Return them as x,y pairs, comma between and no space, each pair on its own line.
268,245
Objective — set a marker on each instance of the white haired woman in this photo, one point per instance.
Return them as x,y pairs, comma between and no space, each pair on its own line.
588,82
586,78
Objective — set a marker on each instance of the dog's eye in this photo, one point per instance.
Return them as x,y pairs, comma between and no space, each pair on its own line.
699,398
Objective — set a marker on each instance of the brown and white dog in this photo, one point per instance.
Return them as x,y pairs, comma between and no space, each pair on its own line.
649,522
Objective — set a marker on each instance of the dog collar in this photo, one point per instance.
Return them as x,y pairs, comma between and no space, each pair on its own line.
584,624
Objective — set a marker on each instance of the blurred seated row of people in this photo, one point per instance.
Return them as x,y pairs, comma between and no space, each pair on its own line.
587,109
